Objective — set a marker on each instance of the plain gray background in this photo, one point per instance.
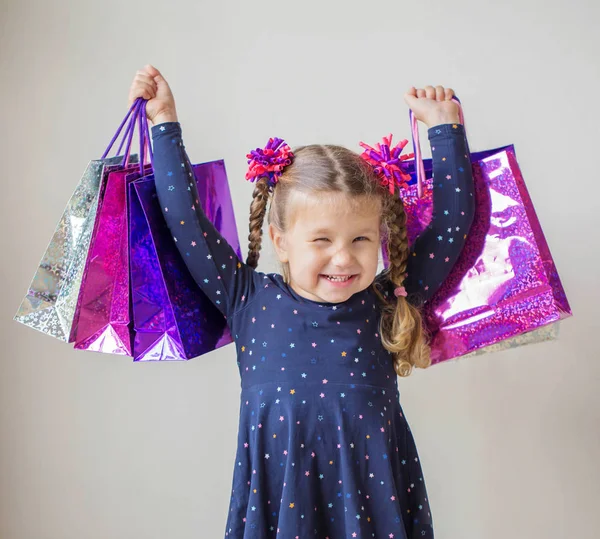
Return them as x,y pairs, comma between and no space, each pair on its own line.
97,447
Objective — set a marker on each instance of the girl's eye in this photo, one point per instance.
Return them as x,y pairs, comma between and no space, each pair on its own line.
361,238
322,239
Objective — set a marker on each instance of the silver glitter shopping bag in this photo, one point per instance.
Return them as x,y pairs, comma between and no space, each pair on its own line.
50,303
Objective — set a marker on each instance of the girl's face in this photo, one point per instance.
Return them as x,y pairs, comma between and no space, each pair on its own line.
332,245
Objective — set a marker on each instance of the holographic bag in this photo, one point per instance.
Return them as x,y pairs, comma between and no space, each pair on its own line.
50,303
102,319
173,318
504,290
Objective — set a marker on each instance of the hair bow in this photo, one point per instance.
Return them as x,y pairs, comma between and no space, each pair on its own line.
269,161
387,162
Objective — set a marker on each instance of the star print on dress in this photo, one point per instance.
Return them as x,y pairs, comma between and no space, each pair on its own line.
453,208
324,449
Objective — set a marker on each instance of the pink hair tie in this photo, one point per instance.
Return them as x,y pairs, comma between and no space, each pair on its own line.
400,291
387,162
269,161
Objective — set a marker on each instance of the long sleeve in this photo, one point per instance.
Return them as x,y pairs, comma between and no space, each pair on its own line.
213,263
437,249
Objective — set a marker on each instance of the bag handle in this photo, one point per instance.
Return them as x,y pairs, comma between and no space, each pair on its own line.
418,160
128,133
146,154
135,115
145,138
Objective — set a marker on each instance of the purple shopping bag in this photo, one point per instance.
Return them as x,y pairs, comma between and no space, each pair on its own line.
173,319
505,283
102,317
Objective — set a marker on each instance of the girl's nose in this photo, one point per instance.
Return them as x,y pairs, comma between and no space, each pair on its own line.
342,258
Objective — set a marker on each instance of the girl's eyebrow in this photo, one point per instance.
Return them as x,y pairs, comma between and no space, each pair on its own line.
361,231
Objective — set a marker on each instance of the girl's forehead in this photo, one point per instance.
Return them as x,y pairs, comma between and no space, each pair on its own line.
331,209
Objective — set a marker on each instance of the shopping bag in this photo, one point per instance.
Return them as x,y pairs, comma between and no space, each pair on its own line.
102,320
504,289
173,318
50,303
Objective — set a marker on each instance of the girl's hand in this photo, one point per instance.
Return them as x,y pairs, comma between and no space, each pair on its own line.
149,84
433,106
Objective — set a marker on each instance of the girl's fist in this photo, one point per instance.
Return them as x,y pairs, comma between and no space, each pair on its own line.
150,85
433,106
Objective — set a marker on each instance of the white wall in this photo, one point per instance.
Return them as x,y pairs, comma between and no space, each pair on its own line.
96,447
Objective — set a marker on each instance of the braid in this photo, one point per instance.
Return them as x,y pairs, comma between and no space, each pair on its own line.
401,328
398,242
258,210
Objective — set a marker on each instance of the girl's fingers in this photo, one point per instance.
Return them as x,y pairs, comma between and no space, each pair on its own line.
143,95
412,91
449,94
429,92
144,84
151,70
420,93
440,93
142,77
142,89
150,89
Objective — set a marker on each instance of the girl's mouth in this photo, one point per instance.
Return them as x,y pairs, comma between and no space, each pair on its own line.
339,281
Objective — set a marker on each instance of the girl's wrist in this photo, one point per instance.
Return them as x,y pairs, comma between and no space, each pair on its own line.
164,117
441,119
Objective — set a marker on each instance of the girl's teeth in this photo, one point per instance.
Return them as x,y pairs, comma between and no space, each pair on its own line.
340,279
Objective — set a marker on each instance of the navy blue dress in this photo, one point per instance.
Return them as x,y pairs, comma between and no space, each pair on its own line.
324,449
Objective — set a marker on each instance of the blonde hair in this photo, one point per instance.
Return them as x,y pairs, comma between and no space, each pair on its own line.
328,168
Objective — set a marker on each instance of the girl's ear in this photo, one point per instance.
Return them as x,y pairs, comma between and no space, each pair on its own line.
279,242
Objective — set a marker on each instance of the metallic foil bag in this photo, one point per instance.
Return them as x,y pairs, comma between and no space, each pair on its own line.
49,305
504,290
102,320
215,198
173,319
